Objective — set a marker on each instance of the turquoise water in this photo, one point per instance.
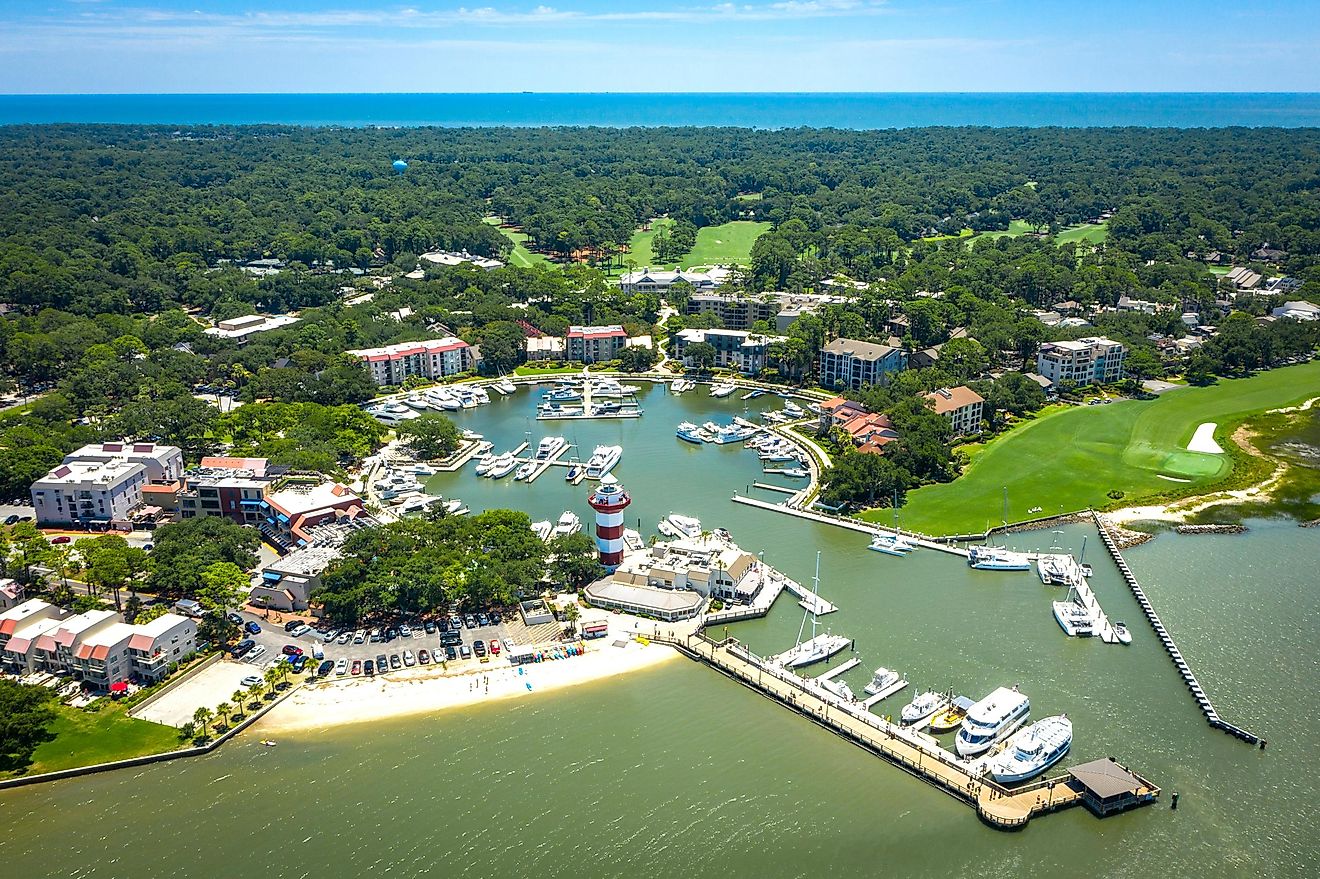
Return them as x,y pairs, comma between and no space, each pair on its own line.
852,110
678,771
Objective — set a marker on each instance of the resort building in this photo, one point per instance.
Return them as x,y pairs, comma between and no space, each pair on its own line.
241,327
20,627
293,507
739,350
595,344
1298,311
649,281
544,348
103,482
434,358
672,581
230,487
1094,360
452,258
739,311
288,583
961,405
11,593
848,363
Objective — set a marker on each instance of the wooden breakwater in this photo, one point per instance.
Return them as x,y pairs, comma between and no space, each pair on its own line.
1189,678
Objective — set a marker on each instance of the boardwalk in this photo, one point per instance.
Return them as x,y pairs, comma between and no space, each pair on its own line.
1198,693
868,528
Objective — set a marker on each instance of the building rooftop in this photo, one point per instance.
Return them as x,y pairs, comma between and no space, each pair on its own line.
858,349
295,498
668,600
602,332
952,399
96,472
254,466
238,327
456,258
1105,778
406,349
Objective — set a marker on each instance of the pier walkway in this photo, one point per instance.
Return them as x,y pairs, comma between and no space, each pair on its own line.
839,669
869,528
1198,693
807,599
916,753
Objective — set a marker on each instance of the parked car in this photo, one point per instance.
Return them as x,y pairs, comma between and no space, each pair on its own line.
341,667
357,667
234,618
482,620
450,653
470,621
375,636
391,633
11,519
252,680
292,624
464,651
408,658
290,650
301,630
253,628
428,627
424,656
325,668
382,664
508,643
344,638
494,646
257,652
405,630
298,662
329,635
61,538
479,647
369,668
242,647
360,636
394,661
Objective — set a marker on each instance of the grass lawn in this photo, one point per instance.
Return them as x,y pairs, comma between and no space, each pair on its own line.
716,245
1091,233
1070,458
83,738
548,370
520,256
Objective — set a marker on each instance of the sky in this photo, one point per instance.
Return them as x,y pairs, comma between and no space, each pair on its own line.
198,46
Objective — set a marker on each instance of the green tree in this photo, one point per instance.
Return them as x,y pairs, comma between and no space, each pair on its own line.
202,717
574,560
26,715
700,355
182,550
430,436
571,616
637,358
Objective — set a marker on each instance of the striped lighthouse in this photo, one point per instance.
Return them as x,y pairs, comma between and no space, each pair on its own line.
609,501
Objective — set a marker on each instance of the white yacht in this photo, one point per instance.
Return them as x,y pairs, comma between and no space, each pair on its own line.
481,396
686,526
682,385
549,447
454,507
485,462
632,539
543,529
441,398
524,470
837,688
689,432
1075,618
997,558
422,469
568,523
793,410
603,461
722,389
1121,632
502,466
819,647
992,720
609,387
562,395
890,544
881,679
505,385
1032,750
925,706
416,401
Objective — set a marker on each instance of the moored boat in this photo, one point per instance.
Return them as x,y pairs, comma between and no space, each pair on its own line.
687,526
603,461
890,544
502,466
990,721
952,716
689,432
996,558
568,523
1121,632
722,389
923,706
1032,750
881,679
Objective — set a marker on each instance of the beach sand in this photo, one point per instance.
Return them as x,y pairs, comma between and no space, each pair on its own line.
425,690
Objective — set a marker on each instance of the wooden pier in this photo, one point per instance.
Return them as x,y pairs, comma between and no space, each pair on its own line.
838,670
868,528
919,755
1198,693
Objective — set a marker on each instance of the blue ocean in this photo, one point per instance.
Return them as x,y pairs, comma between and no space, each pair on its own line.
817,110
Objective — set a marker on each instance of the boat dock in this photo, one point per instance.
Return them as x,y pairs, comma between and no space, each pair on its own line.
459,459
1000,807
888,691
1198,693
545,465
838,670
807,599
781,488
867,528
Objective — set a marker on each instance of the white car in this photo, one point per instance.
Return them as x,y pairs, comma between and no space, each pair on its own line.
330,636
341,667
301,630
360,637
255,653
405,631
408,658
344,638
508,643
252,680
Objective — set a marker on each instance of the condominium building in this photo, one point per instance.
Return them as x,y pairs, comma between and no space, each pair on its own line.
961,405
434,358
735,312
85,492
20,627
1094,360
230,487
595,344
651,281
849,363
739,350
294,506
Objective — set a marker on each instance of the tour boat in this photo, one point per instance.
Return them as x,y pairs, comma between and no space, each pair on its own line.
837,688
543,529
1076,619
687,526
952,716
1121,632
502,466
568,523
603,461
524,470
881,679
549,447
689,432
1032,750
996,558
990,721
922,707
890,544
723,389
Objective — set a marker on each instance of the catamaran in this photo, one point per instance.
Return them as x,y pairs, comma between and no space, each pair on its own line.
890,544
997,558
1074,617
603,461
1032,750
819,647
992,720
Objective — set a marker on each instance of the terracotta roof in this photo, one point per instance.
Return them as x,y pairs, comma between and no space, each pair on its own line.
47,643
141,642
228,463
18,645
951,399
7,626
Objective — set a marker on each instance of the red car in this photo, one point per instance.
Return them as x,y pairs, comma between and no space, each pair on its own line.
290,650
63,538
494,647
357,667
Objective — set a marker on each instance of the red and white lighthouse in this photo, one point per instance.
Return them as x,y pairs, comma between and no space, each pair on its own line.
609,500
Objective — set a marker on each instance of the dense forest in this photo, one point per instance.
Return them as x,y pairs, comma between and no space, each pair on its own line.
119,244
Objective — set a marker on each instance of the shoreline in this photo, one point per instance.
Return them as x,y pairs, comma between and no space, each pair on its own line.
342,701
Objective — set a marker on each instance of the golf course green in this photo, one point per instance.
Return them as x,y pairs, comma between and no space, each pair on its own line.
1071,458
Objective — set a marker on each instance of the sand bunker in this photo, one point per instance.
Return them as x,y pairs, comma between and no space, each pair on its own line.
1204,440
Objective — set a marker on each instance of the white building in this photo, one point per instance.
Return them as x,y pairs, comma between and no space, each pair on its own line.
1298,310
434,358
653,281
595,344
163,463
82,492
458,258
849,363
242,327
20,627
672,581
1094,360
739,350
962,406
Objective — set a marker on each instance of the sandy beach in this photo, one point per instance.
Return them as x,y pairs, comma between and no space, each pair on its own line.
340,701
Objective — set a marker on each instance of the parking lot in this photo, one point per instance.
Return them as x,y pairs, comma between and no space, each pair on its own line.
208,688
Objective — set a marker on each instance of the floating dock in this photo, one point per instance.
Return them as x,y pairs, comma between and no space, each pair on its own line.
888,691
1198,693
838,670
807,599
867,528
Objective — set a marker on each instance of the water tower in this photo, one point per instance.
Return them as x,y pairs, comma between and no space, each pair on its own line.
609,500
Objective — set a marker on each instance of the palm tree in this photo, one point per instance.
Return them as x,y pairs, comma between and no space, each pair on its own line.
202,717
222,712
238,700
572,615
254,693
272,675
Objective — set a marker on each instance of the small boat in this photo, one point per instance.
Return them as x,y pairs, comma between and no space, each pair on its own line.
753,394
563,395
990,721
881,679
568,523
1121,632
996,558
269,743
689,432
417,401
524,470
793,410
791,472
952,716
603,461
1032,750
574,471
667,529
837,688
923,706
421,469
505,385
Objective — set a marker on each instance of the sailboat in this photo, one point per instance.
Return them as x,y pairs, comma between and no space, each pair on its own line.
998,558
892,544
819,647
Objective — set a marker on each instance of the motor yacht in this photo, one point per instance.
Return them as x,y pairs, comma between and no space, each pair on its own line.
1121,632
416,401
455,507
733,433
562,395
689,432
923,706
485,462
502,466
687,526
890,544
722,389
549,447
481,396
997,558
524,470
440,398
505,385
632,539
1032,750
568,523
793,410
837,688
881,679
543,529
609,387
990,721
681,386
467,399
603,461
422,469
